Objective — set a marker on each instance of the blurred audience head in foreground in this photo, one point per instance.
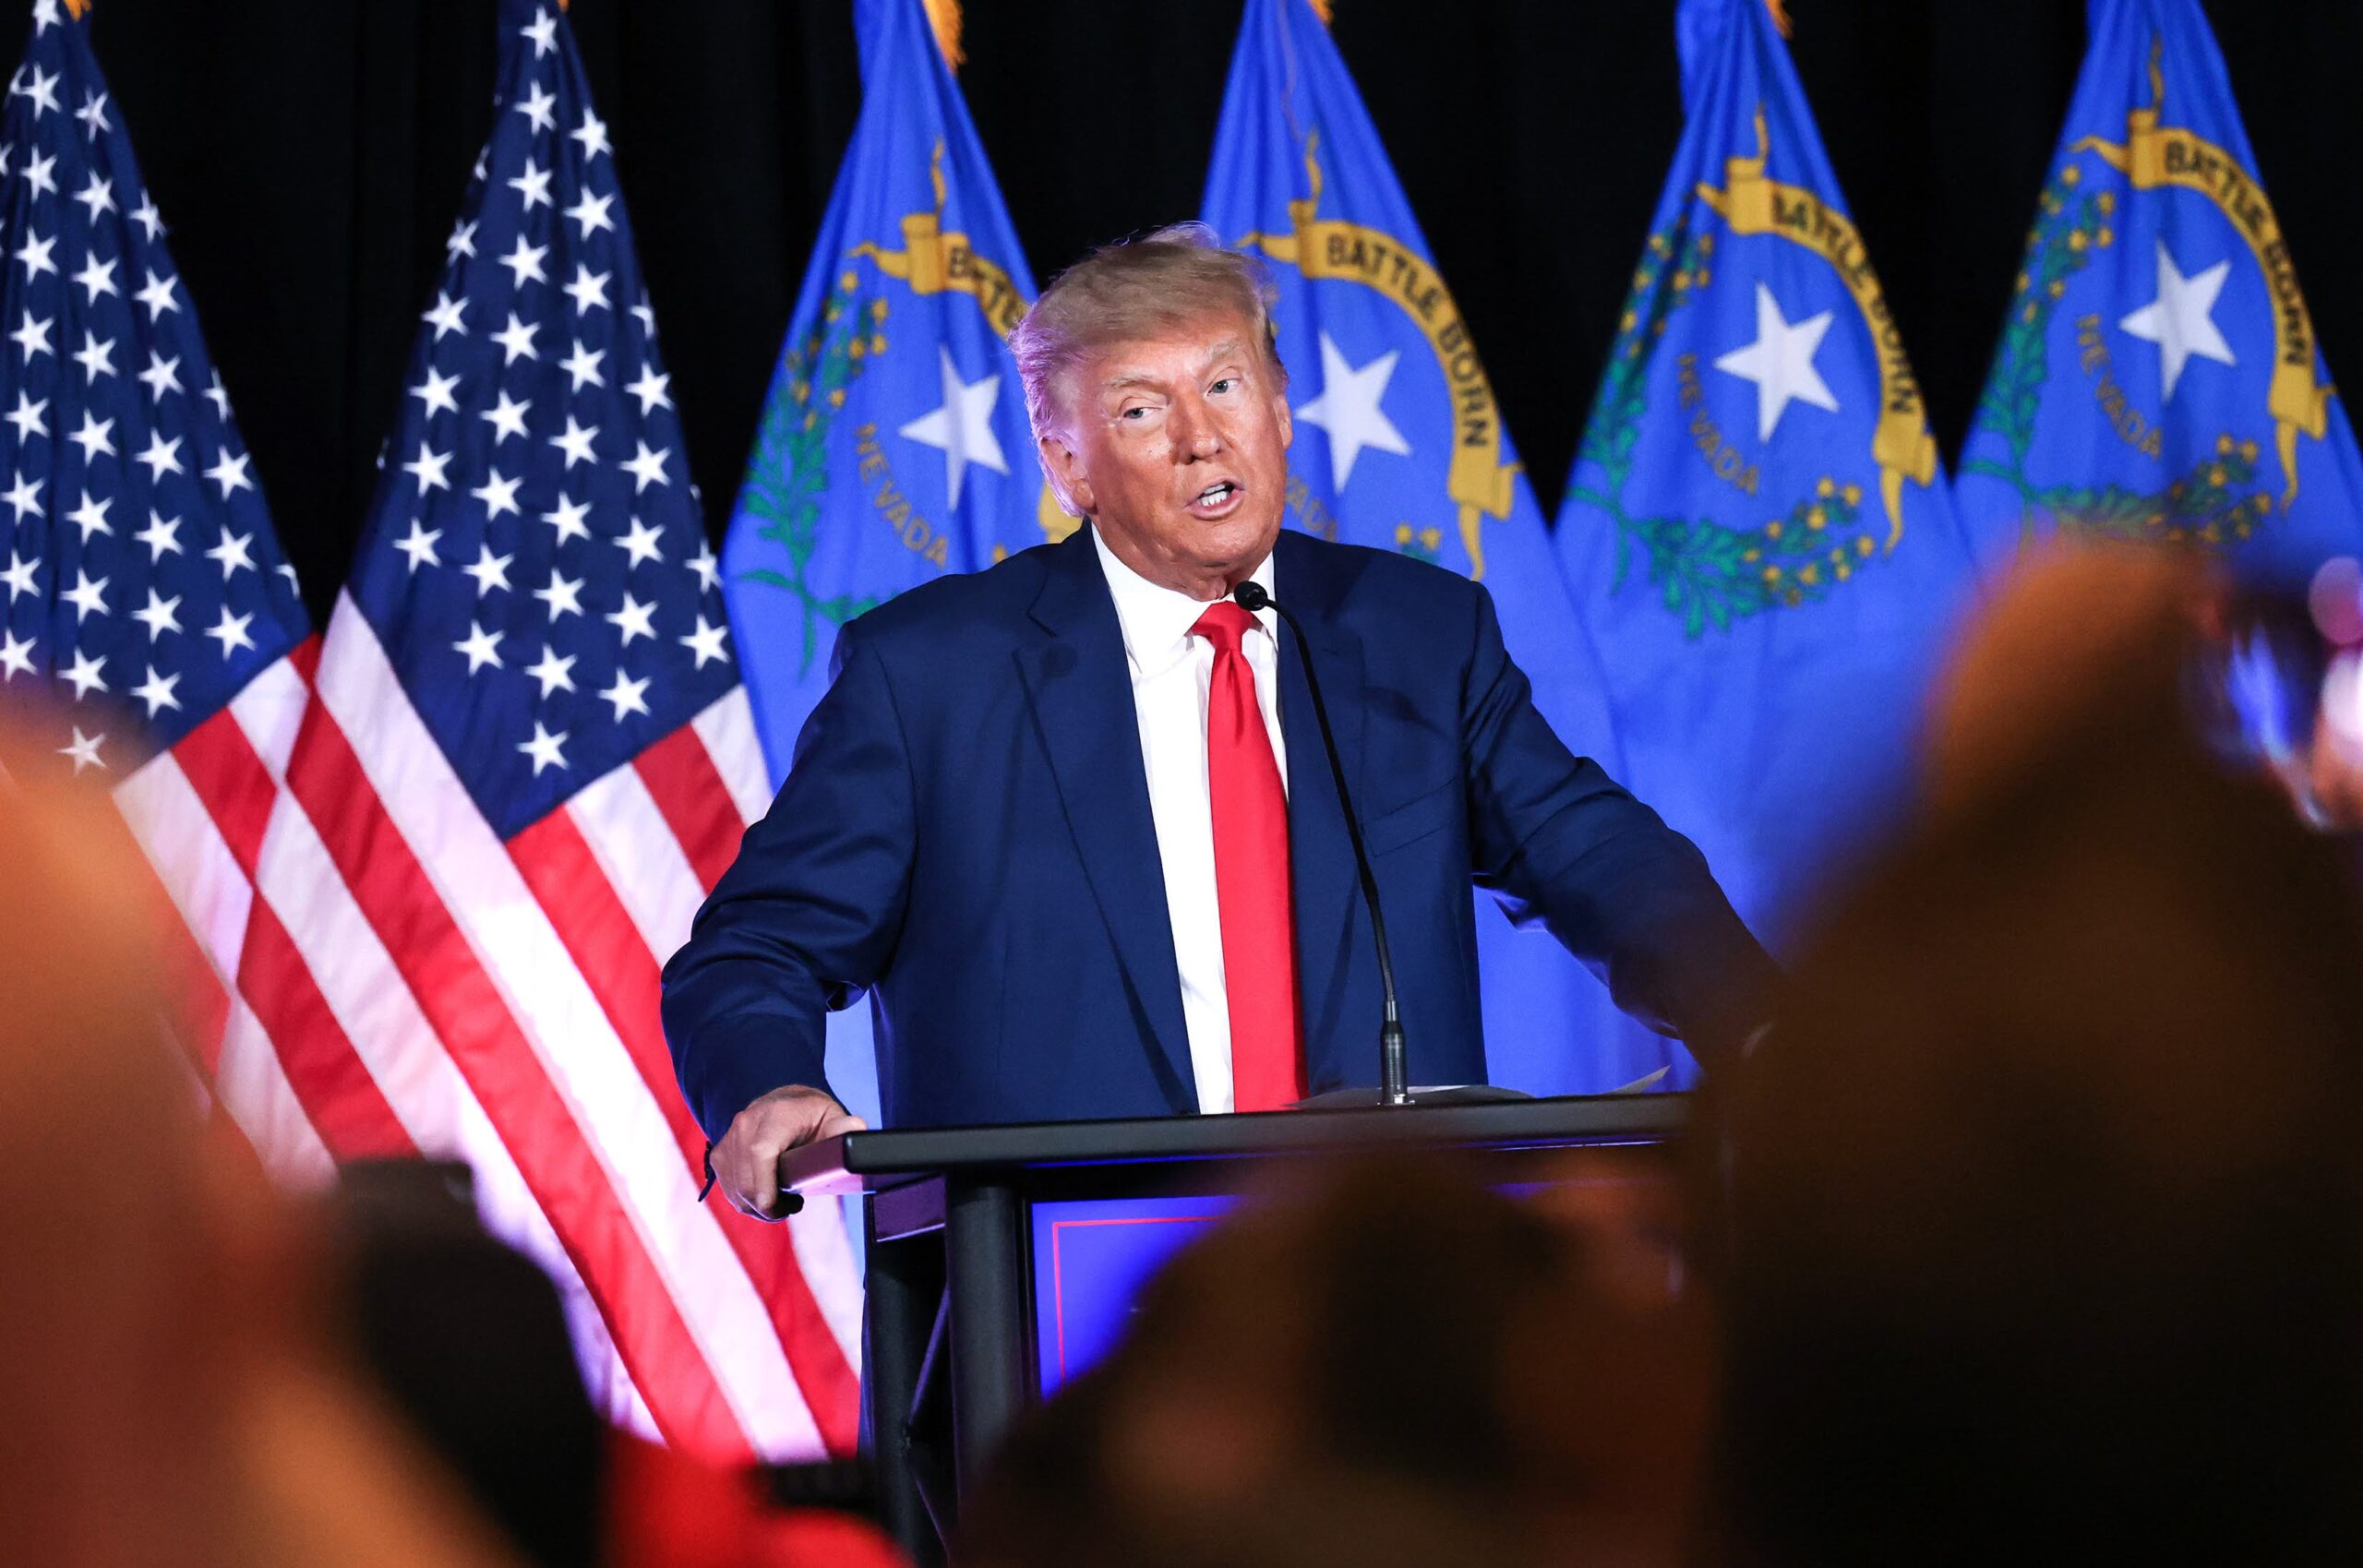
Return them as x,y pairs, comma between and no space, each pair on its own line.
2047,1231
168,1392
1393,1366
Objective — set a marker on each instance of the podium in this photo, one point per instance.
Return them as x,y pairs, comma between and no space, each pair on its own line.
954,1219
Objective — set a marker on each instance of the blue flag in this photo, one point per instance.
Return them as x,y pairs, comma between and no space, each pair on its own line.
1400,446
894,447
1756,528
2158,377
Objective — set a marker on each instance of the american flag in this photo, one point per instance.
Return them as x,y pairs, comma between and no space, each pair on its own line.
527,758
524,757
146,595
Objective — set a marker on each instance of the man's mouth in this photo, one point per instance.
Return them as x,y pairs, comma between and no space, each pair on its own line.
1216,501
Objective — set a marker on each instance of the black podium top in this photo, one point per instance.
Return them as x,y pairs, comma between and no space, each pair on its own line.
873,1162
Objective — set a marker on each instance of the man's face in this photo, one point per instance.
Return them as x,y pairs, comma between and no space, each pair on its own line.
1176,448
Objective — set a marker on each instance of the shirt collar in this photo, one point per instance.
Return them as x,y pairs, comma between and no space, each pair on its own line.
1157,619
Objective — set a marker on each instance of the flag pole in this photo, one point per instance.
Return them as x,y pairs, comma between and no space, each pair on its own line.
944,16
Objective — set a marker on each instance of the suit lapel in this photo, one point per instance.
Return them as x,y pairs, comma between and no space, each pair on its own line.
1082,693
1330,930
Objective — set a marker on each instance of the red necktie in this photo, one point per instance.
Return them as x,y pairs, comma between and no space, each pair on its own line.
1251,889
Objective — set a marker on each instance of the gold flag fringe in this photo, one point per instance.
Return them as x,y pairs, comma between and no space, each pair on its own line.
1780,15
944,16
1321,9
78,10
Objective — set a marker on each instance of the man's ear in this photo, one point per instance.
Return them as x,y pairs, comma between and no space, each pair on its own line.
1280,411
1066,466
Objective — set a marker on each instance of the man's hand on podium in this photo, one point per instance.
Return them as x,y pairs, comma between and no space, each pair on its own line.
746,1163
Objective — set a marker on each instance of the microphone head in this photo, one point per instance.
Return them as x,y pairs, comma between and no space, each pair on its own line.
1250,595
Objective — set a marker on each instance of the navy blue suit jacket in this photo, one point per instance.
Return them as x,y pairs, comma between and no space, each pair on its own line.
966,832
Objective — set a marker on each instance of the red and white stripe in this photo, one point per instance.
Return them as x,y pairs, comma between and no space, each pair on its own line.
372,971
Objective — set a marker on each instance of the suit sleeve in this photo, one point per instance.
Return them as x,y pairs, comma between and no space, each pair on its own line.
807,916
1562,843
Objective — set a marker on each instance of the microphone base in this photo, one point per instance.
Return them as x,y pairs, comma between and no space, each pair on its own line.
1444,1094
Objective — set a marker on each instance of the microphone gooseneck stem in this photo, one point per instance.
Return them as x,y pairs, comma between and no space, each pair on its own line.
1394,1070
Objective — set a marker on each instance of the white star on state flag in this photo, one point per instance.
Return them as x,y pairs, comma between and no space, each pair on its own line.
1347,409
961,429
1781,362
2181,321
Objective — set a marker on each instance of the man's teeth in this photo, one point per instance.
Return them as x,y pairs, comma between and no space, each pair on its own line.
1215,492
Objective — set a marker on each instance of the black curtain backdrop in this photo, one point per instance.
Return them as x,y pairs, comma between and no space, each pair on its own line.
309,156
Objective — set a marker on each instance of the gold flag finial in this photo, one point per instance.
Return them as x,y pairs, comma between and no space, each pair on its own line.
944,16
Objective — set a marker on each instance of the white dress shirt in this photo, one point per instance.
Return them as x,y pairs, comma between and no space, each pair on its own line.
1171,672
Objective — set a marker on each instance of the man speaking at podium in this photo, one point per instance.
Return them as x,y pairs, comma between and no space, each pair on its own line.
1071,818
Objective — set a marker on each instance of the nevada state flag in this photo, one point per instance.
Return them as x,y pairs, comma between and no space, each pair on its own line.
1400,445
1756,529
2158,377
893,446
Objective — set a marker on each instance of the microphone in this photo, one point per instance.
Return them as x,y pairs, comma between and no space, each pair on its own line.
1393,1072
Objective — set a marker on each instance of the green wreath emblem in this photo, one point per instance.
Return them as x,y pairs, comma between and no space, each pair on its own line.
1710,575
2211,505
791,473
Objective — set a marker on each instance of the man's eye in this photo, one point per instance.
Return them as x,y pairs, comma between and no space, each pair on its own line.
1133,413
1225,384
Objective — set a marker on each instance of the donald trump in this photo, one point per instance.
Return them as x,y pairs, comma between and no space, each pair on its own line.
1068,821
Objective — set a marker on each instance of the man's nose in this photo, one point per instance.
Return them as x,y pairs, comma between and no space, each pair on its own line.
1197,435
